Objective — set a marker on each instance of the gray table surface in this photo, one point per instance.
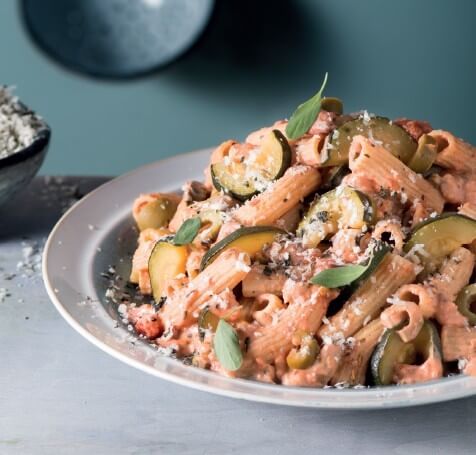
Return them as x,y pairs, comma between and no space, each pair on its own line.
60,394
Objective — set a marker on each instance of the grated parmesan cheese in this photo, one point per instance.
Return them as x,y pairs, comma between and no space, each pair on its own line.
18,125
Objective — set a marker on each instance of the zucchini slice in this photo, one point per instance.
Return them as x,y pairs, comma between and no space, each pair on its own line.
166,262
466,303
391,351
250,240
439,237
343,207
379,129
243,180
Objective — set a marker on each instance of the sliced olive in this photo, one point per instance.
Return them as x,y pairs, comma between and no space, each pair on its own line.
378,129
425,155
207,321
331,104
167,261
157,212
391,351
436,238
466,303
211,224
243,180
305,353
250,240
343,207
332,177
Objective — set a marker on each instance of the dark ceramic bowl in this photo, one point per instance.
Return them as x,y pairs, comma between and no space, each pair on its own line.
18,169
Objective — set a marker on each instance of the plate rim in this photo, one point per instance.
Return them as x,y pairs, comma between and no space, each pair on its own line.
459,386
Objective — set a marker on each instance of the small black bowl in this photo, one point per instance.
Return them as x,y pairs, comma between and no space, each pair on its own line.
18,169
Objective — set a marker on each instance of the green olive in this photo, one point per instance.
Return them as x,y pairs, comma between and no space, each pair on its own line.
332,105
425,154
157,213
211,224
207,321
466,303
304,355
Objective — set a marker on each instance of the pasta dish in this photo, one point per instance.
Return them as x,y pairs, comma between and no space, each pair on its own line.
329,249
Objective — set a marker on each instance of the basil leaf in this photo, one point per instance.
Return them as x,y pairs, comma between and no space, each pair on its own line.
305,115
227,346
187,232
379,250
340,276
348,274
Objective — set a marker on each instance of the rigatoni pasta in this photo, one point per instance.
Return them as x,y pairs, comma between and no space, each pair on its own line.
367,302
297,183
353,366
388,172
453,153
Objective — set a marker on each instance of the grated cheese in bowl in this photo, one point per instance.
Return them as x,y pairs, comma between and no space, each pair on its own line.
19,126
24,140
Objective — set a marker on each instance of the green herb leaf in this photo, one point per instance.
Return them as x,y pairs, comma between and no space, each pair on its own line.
187,232
305,115
340,276
227,346
348,274
378,251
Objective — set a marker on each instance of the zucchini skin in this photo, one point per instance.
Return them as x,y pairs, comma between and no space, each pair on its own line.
325,215
338,152
286,159
460,232
227,242
220,187
378,355
287,153
180,263
438,218
391,336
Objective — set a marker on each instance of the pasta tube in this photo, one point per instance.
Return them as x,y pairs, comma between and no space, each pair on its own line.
305,311
388,172
279,198
454,153
308,150
402,312
353,366
468,209
458,342
369,299
453,275
258,282
225,272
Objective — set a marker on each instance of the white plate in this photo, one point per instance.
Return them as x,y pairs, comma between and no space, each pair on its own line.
98,231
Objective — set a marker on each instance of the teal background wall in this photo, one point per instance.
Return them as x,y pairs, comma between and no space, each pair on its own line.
254,64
